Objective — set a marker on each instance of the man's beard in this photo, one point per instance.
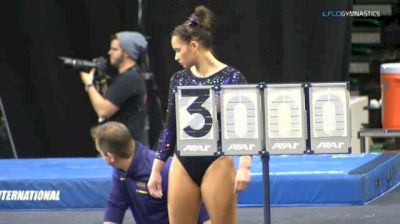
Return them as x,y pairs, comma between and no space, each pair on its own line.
117,62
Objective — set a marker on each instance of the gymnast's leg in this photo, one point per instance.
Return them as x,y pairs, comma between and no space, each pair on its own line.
217,191
183,195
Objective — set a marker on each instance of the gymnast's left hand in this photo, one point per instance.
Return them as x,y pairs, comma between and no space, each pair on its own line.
154,184
242,179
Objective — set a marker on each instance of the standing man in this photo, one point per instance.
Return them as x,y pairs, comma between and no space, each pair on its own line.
132,164
125,98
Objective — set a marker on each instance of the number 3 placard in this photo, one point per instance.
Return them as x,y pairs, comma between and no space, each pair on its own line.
196,121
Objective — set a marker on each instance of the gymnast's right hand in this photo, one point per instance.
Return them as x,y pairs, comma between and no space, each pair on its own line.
154,184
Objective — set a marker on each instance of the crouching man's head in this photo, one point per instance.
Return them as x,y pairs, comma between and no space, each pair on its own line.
114,143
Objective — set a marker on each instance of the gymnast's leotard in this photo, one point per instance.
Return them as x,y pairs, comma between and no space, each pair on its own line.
195,166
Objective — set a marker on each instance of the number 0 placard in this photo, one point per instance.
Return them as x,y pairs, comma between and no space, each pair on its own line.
285,119
330,115
196,121
241,123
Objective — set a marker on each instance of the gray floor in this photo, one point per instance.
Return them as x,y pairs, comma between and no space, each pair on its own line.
384,210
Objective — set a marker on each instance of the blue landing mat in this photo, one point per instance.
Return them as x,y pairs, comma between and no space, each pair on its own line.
65,183
83,183
323,179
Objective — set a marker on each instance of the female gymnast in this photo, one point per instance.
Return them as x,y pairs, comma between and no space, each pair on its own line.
195,179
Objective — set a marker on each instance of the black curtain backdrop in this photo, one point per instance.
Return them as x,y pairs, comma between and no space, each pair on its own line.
48,110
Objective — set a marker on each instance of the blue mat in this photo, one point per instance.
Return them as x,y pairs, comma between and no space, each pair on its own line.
323,179
65,183
83,183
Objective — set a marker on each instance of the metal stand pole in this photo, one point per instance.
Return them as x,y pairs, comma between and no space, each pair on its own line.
14,151
265,169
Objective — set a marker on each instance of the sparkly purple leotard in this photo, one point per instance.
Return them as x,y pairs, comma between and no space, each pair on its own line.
195,166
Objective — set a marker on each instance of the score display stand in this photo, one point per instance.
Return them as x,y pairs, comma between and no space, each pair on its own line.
263,119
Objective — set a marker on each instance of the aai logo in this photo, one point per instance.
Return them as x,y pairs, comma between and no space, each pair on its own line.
241,147
196,148
330,145
285,145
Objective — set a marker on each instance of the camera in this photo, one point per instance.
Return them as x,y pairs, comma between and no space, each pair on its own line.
100,63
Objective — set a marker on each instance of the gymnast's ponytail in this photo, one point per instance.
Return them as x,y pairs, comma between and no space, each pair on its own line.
198,26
